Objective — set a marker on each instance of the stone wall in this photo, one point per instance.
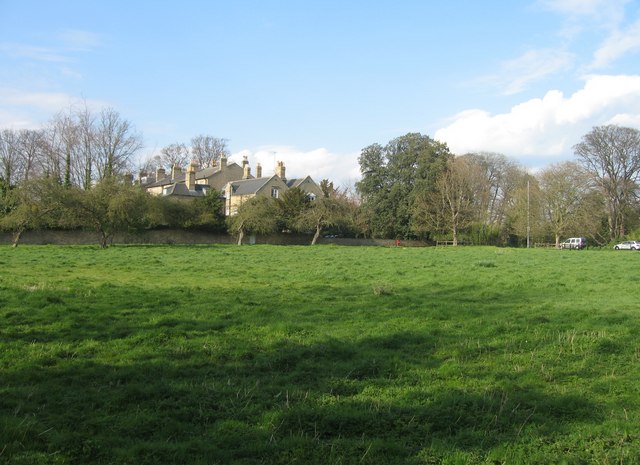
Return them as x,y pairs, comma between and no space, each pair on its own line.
177,236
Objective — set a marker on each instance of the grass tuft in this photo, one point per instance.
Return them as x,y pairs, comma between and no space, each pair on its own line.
382,289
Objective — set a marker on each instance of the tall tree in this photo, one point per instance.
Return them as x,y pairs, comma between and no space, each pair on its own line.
455,202
564,191
207,150
32,151
116,144
611,155
175,154
291,204
500,172
10,160
393,175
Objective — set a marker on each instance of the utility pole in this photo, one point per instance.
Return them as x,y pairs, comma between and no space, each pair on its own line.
528,214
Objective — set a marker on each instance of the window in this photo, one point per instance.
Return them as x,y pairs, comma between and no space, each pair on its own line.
311,197
275,192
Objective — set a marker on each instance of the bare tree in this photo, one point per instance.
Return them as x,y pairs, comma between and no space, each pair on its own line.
207,150
457,201
60,148
173,155
611,155
10,163
564,191
116,142
84,155
31,143
500,173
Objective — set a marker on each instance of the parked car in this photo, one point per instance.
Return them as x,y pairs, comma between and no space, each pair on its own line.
574,243
627,245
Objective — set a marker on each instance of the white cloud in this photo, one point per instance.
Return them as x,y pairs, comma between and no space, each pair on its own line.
31,52
25,109
546,127
532,66
342,169
616,45
604,13
77,40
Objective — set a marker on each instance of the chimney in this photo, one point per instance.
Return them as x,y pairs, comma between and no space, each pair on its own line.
223,162
190,178
160,174
258,170
280,171
246,171
245,161
175,171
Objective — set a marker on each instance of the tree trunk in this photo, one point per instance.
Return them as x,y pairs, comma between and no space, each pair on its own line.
455,235
240,236
557,241
16,237
104,240
316,235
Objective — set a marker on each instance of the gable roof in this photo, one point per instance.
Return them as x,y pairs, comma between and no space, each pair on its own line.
200,174
291,183
249,186
210,171
167,180
181,190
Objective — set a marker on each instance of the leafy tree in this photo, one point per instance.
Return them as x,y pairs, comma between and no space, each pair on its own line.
323,213
611,155
207,213
259,215
108,208
393,175
327,188
34,204
292,203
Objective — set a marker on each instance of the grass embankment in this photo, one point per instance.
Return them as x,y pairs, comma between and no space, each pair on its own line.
270,354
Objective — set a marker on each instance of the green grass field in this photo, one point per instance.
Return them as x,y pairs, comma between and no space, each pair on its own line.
337,355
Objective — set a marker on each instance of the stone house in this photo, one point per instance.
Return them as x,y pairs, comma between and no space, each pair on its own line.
237,192
234,182
194,182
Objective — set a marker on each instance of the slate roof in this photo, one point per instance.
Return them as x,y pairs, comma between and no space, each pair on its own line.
181,190
291,183
200,174
207,172
249,186
167,180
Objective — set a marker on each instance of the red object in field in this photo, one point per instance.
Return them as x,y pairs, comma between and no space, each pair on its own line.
397,242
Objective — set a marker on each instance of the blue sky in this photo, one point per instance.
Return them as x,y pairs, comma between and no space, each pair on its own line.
312,83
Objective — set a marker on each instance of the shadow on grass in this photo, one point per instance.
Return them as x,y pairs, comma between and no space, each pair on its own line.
131,381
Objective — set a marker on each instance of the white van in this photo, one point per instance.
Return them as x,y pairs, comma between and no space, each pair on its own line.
574,243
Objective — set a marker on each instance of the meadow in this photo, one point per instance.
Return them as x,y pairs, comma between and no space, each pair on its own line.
318,355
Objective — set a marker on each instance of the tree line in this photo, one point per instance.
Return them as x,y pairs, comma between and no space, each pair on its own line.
73,174
413,187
